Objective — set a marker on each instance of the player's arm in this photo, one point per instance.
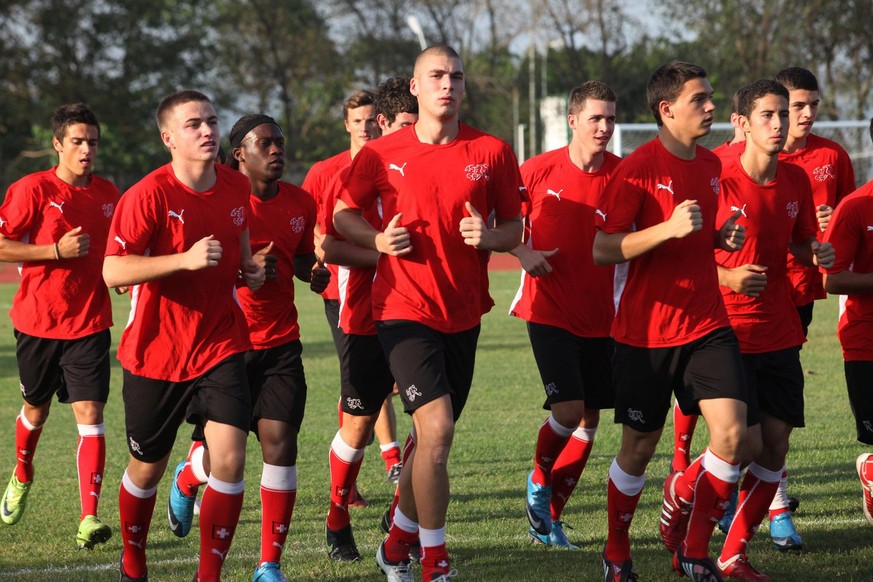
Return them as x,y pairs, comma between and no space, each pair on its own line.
534,262
252,272
618,247
848,283
340,252
813,253
127,270
74,243
350,223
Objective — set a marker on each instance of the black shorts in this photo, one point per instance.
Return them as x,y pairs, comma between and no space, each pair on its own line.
573,367
428,364
154,409
706,368
365,377
805,313
859,381
277,384
775,382
331,311
77,370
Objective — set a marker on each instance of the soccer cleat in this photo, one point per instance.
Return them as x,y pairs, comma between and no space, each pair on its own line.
394,571
724,524
538,499
14,500
342,544
675,513
180,507
739,568
443,576
783,533
91,532
698,569
866,484
269,572
124,577
394,472
613,572
793,504
386,521
356,499
556,537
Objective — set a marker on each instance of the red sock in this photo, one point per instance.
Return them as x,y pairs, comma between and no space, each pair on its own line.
342,478
25,445
391,456
398,542
752,503
135,514
683,433
566,472
685,485
549,446
711,496
621,508
90,462
434,560
219,515
277,507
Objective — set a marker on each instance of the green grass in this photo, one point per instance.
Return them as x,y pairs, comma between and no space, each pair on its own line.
487,529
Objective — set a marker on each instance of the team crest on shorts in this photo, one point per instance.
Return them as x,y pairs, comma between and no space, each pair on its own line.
412,393
635,415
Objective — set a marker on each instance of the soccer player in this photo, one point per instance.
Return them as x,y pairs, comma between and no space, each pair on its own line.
281,229
851,232
568,304
672,333
775,201
180,240
366,380
436,180
54,224
829,170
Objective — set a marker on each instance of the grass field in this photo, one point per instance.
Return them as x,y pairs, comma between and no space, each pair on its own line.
487,531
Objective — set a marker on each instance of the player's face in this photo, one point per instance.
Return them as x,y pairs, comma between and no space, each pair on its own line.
766,127
691,113
401,120
262,154
593,125
191,132
439,85
361,125
76,153
802,110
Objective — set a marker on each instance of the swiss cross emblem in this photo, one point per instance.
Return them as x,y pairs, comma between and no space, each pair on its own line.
279,528
96,478
221,532
298,224
238,215
476,172
133,528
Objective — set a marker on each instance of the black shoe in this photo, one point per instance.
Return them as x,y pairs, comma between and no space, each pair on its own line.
793,504
698,569
342,545
386,520
124,576
614,572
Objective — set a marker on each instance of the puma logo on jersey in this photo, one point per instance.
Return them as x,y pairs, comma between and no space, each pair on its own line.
869,228
58,206
600,213
3,222
557,194
667,187
177,215
398,168
122,242
740,210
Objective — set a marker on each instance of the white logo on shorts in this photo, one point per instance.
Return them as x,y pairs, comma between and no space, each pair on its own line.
21,386
412,392
551,389
354,403
868,426
635,415
134,446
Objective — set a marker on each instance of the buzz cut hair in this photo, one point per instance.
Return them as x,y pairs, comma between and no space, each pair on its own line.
594,90
748,95
797,78
393,97
666,84
358,99
173,100
67,115
441,49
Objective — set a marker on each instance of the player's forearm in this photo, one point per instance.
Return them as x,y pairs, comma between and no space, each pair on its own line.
505,235
355,228
340,252
619,247
13,251
127,270
848,283
802,252
303,266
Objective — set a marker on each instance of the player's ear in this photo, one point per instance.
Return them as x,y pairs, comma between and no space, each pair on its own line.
59,147
167,138
665,109
238,155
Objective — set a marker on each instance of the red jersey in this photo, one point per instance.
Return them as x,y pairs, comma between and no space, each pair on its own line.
728,152
287,220
443,282
829,170
319,182
182,325
850,231
671,296
774,215
577,295
64,299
